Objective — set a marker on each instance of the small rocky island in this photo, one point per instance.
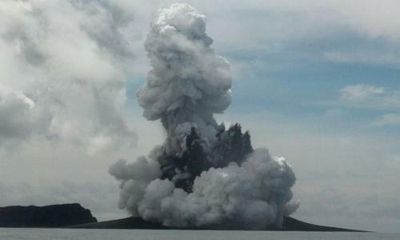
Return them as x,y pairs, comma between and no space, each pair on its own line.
47,216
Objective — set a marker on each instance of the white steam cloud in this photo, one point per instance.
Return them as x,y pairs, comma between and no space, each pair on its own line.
203,175
188,82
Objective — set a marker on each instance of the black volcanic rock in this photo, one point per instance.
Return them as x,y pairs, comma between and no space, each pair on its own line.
125,223
289,224
292,224
232,145
47,216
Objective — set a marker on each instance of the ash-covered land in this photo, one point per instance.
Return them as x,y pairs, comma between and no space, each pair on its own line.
205,173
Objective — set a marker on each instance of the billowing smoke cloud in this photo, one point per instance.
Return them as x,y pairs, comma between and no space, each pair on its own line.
188,82
203,174
63,65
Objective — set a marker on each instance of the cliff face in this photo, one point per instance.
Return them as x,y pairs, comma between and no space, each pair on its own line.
47,216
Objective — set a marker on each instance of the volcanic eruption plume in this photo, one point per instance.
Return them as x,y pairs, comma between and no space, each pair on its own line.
204,174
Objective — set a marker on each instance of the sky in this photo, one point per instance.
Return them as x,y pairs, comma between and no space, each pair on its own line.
314,81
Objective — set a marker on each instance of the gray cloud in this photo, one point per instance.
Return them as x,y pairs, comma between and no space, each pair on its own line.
371,96
64,70
365,96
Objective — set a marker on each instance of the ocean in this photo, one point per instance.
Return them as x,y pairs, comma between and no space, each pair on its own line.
78,234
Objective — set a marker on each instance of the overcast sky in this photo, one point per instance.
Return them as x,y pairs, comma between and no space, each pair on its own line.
314,81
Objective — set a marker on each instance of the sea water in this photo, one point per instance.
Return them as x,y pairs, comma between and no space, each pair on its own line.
77,234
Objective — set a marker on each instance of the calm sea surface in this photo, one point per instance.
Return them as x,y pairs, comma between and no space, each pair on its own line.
67,234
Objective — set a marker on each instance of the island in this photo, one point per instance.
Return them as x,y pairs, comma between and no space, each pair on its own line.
50,216
289,224
75,216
